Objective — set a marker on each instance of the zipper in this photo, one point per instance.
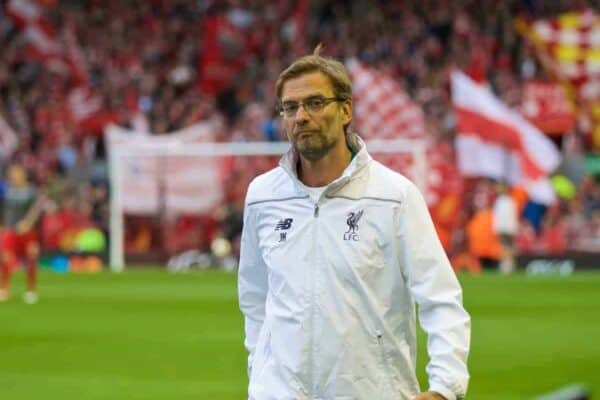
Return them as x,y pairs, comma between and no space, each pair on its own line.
313,370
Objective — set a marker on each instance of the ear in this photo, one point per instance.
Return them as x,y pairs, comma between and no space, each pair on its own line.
346,109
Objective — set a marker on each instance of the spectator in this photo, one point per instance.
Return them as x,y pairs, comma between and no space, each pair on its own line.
161,66
505,222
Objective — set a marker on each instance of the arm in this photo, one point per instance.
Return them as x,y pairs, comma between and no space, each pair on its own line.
436,290
252,283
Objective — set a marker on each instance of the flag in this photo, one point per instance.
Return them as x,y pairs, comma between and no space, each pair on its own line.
28,17
225,52
496,141
382,109
64,54
569,48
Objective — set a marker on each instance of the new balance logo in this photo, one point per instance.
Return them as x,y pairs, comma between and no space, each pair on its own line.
352,221
284,224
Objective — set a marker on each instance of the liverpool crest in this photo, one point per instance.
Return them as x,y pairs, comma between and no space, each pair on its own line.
352,221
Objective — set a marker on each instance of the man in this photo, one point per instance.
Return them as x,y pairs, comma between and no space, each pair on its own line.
335,250
18,239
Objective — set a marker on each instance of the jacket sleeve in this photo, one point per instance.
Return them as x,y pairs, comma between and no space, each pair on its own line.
436,290
252,283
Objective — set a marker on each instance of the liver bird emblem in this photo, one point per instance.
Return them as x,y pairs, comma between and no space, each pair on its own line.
352,221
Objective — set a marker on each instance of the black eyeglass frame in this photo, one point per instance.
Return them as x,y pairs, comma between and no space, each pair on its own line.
287,112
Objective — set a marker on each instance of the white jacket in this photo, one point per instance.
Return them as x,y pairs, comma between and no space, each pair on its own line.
328,289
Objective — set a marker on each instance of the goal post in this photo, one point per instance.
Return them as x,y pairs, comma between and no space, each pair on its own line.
122,157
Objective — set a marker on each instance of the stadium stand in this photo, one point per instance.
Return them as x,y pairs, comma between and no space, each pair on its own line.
69,68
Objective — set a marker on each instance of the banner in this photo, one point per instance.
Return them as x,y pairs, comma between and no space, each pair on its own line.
497,142
153,183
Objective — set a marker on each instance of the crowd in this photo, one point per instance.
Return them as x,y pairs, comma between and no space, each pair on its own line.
161,65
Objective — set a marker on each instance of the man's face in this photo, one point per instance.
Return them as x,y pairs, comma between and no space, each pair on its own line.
314,133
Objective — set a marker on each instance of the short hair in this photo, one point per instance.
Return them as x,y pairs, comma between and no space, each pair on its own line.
333,69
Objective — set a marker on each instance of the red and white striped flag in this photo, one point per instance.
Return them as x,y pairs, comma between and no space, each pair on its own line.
65,56
382,110
62,53
28,17
496,141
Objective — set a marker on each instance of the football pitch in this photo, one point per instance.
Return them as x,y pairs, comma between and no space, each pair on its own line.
147,334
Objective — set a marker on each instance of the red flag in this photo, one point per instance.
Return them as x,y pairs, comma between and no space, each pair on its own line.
225,49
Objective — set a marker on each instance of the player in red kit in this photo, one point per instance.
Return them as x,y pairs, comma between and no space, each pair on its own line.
18,239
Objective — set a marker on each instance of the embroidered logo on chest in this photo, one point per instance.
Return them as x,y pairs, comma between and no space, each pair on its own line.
352,221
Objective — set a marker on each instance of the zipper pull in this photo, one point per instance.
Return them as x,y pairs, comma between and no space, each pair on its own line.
316,210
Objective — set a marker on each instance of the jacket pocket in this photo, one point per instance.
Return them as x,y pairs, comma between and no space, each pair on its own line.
386,375
397,375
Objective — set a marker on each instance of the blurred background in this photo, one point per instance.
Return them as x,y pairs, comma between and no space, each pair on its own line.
113,108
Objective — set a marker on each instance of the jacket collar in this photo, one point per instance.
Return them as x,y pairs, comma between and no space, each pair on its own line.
289,162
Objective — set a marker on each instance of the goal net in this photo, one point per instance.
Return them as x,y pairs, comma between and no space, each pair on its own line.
177,193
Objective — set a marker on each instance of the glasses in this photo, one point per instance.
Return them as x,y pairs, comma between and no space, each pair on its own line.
312,105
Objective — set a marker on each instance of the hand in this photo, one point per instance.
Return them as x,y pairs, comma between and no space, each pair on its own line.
429,396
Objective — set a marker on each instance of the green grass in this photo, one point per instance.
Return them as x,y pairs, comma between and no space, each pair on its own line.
146,334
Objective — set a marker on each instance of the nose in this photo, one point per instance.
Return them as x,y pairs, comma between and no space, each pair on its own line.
301,115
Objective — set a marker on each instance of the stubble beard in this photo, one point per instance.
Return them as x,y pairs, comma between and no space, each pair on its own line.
314,147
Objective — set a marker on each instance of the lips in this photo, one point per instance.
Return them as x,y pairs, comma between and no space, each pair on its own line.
305,133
